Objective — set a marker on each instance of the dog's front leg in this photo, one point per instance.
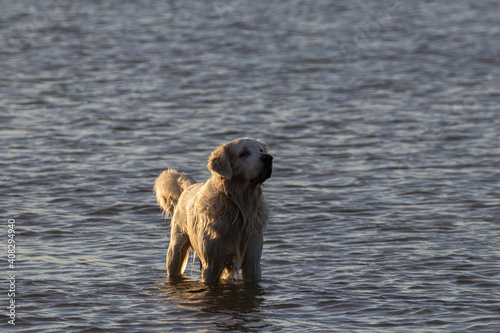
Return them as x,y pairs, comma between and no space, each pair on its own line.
251,263
212,271
251,271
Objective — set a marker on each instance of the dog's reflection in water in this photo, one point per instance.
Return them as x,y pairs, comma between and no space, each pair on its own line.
224,305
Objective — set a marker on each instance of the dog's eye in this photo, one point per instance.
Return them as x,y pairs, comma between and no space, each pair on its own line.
244,153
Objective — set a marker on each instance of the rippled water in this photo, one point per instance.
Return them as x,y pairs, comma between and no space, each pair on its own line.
383,119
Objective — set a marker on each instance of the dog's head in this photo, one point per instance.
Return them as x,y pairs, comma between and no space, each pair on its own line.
244,160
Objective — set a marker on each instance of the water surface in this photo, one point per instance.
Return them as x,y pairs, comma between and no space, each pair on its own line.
382,117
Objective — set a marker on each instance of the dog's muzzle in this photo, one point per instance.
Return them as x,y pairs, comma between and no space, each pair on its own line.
266,169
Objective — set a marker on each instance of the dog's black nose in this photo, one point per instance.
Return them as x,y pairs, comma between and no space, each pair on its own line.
267,158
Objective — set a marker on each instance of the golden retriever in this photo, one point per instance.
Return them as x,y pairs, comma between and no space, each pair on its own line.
221,219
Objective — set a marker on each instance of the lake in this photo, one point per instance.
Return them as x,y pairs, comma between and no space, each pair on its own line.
382,117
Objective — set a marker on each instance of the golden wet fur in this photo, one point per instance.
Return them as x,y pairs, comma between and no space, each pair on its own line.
223,218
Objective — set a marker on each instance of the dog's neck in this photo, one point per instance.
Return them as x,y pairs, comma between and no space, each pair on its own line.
247,199
245,195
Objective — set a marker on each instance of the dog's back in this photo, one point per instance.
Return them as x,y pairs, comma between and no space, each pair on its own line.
168,188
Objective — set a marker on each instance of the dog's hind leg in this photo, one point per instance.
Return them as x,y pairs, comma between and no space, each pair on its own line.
177,255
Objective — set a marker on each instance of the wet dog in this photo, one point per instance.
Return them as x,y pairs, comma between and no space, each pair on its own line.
223,218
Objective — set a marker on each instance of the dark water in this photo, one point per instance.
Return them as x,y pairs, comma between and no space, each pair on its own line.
383,119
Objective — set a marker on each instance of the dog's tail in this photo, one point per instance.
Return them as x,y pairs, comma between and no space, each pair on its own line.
168,188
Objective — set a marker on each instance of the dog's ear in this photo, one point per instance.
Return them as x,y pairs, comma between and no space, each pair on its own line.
220,163
264,145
